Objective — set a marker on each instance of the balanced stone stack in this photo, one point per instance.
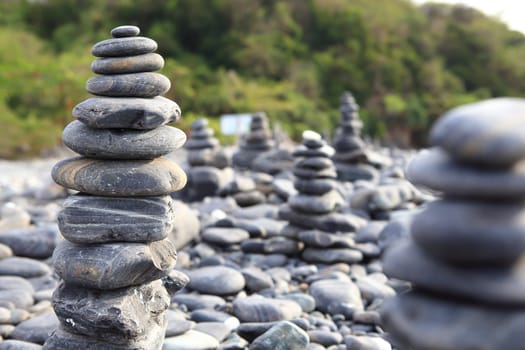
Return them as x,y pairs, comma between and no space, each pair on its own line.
256,142
315,205
209,170
116,262
465,256
350,156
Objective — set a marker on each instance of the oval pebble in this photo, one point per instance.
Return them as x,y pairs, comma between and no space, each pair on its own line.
148,62
129,85
127,46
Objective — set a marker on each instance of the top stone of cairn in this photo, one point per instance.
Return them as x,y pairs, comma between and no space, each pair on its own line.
489,133
125,31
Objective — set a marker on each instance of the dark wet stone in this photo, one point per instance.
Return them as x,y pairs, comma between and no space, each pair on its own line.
259,309
315,186
224,235
303,151
316,204
31,242
175,281
436,170
127,113
37,329
419,321
354,172
114,316
119,178
125,31
336,296
218,280
94,219
490,132
314,163
148,62
129,85
256,279
495,285
471,232
122,143
177,324
113,265
121,47
332,255
284,335
23,267
325,337
305,173
12,344
246,199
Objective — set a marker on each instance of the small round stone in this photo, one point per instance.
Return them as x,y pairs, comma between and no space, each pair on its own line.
125,31
122,143
120,177
121,47
259,309
129,85
224,235
217,280
148,62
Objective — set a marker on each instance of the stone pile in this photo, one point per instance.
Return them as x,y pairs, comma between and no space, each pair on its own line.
350,156
209,165
465,257
256,142
116,263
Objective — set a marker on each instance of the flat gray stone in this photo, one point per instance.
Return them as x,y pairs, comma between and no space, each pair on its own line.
315,163
115,316
256,279
199,301
316,204
423,322
31,242
259,309
471,232
320,239
127,46
177,323
217,280
148,62
125,31
224,235
492,284
354,172
332,222
314,186
336,296
186,225
122,143
113,265
12,344
95,219
332,255
15,282
119,178
283,336
129,85
436,170
18,298
126,113
490,132
36,329
23,267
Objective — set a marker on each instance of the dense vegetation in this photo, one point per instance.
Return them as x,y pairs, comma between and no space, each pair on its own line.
290,58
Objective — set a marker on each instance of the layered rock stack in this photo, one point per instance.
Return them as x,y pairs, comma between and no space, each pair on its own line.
465,257
350,156
209,170
256,142
116,262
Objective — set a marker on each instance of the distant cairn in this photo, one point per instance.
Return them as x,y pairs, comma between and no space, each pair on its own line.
257,141
465,256
116,264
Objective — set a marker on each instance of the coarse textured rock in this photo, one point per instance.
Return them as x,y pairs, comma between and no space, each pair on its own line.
283,336
113,265
259,309
219,280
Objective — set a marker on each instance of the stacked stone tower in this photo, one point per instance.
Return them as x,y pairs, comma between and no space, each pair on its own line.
203,148
256,142
350,150
116,262
465,256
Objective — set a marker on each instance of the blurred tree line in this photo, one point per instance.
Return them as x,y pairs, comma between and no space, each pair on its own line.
291,58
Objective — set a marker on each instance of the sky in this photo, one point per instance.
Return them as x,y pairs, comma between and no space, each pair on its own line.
510,12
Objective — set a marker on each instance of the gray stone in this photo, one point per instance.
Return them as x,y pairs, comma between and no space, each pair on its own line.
305,301
489,133
129,85
224,236
246,199
31,242
37,329
175,281
94,219
115,316
320,204
332,222
148,62
493,284
370,232
332,255
372,289
11,344
470,232
320,239
314,163
121,47
199,301
305,173
119,178
177,324
354,172
125,31
256,279
23,267
208,315
186,225
18,298
126,113
303,151
218,280
122,143
315,186
218,330
191,340
205,181
113,265
283,336
325,337
436,170
355,342
198,144
259,309
336,296
422,322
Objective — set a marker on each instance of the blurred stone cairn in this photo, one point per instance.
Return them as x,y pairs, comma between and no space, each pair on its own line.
116,264
209,165
257,141
465,257
350,156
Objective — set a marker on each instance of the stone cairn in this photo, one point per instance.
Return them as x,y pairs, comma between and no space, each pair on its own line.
350,156
257,141
116,264
465,256
209,170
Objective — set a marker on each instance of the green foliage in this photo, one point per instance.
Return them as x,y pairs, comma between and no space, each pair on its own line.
405,65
